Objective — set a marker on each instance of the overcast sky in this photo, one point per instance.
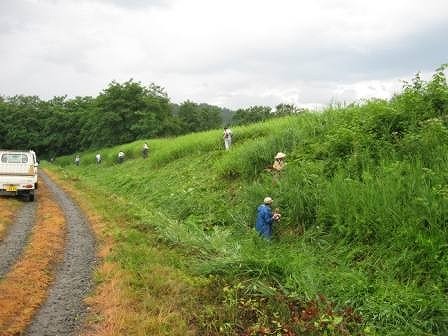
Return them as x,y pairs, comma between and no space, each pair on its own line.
231,53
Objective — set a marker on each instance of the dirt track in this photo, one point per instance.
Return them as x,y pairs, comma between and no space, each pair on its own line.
11,247
64,310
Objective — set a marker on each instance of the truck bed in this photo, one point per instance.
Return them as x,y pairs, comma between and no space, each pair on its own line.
19,169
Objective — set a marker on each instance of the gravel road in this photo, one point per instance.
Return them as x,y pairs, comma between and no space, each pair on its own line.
64,310
16,238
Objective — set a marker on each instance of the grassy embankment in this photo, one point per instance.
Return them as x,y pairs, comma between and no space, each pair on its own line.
364,199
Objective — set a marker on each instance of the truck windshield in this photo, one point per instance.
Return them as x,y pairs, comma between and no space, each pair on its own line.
14,158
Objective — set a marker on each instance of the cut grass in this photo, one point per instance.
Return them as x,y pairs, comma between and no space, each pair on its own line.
25,287
139,291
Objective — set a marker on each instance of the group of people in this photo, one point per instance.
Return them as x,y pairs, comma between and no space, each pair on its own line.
120,156
227,136
265,216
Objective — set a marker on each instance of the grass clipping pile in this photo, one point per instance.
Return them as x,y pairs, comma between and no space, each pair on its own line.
25,287
8,209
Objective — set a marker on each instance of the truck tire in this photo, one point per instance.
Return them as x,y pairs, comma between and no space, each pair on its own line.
30,197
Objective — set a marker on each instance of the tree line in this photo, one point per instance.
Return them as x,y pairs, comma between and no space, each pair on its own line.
121,113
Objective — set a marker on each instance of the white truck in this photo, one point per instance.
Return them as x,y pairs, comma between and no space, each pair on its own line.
18,173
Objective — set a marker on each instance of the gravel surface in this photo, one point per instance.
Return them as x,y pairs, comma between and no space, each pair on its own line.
64,310
16,238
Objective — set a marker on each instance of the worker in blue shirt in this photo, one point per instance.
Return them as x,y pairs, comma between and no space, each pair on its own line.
265,218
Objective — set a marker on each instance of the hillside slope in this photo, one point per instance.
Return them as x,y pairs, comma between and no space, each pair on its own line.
364,198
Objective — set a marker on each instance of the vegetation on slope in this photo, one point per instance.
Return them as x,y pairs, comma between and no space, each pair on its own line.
362,245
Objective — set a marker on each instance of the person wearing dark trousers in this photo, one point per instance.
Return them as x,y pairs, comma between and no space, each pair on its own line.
145,150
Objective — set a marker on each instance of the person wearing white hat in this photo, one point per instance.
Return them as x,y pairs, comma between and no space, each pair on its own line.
145,150
227,135
265,218
120,157
279,162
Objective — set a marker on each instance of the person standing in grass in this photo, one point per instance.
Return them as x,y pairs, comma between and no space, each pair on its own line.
77,160
279,162
145,150
265,218
120,157
227,137
98,158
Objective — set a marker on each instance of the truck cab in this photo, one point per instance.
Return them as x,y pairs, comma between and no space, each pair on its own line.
18,173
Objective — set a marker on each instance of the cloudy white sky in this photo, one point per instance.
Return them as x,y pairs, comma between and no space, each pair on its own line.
232,53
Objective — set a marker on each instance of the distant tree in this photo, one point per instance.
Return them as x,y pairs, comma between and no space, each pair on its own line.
75,119
210,116
129,111
188,114
158,104
3,125
287,109
437,90
226,115
195,117
23,117
251,115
